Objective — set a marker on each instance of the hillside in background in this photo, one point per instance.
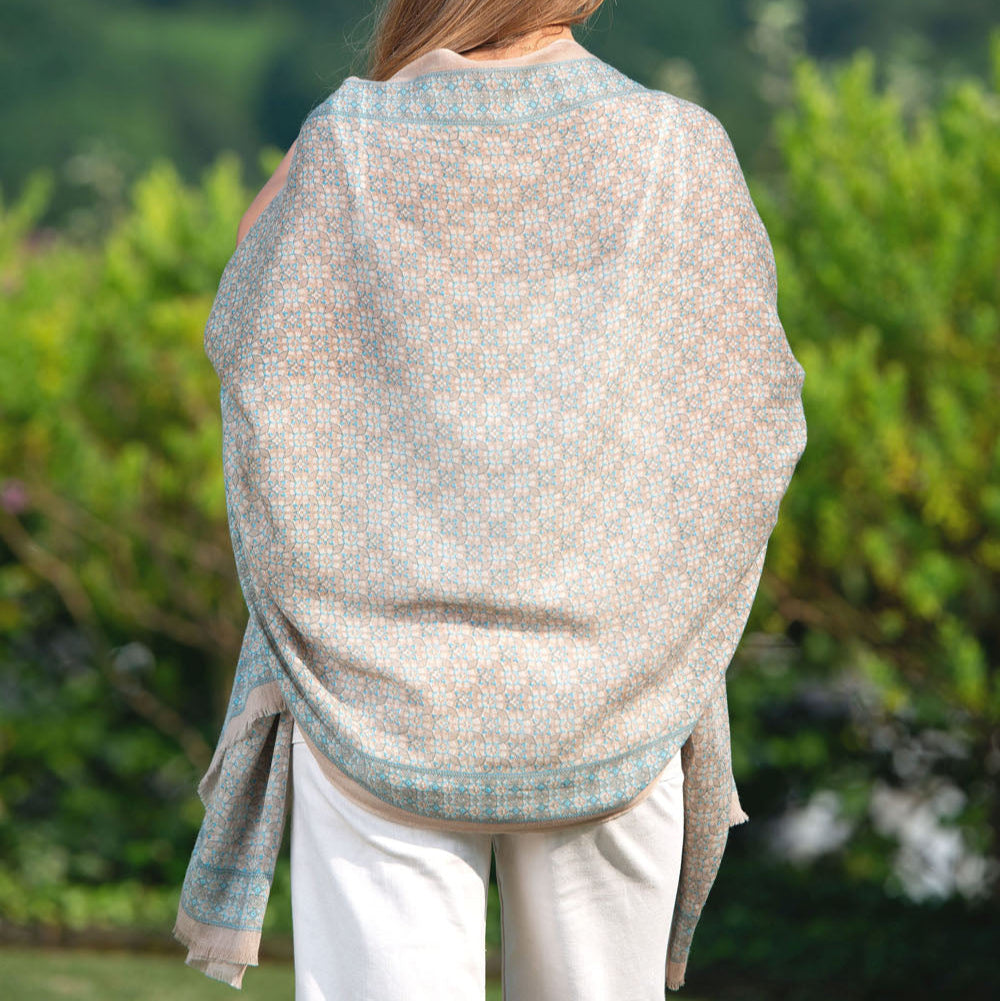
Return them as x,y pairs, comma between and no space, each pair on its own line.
96,90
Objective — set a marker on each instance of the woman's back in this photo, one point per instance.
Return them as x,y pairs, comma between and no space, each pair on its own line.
508,414
509,426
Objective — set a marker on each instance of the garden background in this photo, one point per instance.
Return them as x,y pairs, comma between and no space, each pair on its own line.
865,695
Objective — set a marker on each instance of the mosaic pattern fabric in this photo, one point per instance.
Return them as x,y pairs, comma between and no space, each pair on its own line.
508,414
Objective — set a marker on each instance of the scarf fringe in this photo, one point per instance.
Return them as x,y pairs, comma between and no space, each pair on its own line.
264,700
217,969
220,953
675,974
737,815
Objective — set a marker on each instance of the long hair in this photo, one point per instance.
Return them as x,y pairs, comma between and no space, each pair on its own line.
406,29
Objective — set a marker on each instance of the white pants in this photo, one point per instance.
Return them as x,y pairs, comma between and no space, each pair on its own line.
383,911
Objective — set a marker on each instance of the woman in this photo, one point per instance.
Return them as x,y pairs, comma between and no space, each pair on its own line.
508,413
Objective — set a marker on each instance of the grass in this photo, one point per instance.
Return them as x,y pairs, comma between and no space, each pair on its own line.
28,974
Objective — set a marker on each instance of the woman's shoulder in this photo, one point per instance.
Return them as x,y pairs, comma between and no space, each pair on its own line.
686,113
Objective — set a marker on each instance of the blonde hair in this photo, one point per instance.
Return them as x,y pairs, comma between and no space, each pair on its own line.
406,29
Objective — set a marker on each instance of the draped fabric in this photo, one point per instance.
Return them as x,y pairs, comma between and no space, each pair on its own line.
508,413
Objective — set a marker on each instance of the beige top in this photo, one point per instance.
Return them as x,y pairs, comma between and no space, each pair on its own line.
444,59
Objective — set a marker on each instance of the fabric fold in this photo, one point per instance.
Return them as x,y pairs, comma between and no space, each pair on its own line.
228,880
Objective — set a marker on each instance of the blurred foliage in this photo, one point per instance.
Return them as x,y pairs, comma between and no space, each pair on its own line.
121,622
875,627
772,932
36,899
97,89
884,566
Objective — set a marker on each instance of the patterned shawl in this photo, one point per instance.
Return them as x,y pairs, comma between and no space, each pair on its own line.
508,413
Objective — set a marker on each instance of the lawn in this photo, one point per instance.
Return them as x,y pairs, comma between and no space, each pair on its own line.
85,975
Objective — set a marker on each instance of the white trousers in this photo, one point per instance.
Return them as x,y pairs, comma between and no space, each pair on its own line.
383,911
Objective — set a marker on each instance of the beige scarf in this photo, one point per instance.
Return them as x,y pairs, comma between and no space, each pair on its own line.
508,414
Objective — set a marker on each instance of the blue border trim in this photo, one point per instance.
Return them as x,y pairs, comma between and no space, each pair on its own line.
488,95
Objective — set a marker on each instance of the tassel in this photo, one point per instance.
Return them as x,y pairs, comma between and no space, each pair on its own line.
675,974
737,815
220,953
218,969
